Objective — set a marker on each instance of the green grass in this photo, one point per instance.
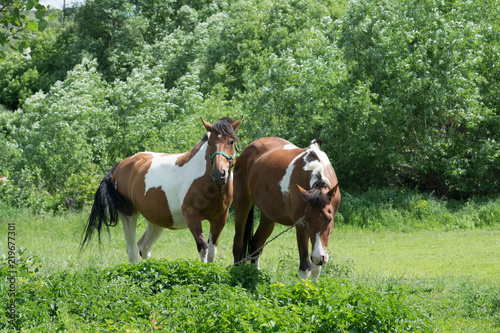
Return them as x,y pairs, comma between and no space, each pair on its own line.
471,254
448,271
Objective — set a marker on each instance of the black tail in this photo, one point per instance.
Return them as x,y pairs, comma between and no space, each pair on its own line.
247,236
107,203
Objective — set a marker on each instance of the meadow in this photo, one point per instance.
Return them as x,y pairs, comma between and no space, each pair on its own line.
381,277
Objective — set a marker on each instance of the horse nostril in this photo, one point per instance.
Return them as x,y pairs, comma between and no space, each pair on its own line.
223,173
321,261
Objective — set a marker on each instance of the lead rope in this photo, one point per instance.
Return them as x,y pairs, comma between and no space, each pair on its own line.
254,256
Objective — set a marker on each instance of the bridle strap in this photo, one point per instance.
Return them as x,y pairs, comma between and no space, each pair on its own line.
230,158
223,154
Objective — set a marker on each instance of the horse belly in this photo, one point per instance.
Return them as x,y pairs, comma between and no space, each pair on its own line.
272,203
179,221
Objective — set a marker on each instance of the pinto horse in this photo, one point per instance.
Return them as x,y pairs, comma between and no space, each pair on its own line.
171,191
291,186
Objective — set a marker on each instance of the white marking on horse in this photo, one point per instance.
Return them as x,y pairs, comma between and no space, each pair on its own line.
174,180
304,274
212,249
203,255
315,270
257,262
290,146
317,166
319,251
129,227
285,181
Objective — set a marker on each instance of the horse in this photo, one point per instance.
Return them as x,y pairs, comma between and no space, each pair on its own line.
290,186
173,191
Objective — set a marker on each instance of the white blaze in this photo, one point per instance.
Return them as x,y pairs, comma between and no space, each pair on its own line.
318,251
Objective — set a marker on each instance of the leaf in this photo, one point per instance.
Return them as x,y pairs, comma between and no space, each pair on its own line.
32,25
40,12
15,13
42,25
31,4
22,46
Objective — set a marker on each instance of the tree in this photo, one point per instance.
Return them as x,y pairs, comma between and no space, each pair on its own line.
14,19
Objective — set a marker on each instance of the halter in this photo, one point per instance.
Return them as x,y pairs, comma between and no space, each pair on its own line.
230,158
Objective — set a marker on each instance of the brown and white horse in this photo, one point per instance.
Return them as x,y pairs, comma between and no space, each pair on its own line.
171,191
289,185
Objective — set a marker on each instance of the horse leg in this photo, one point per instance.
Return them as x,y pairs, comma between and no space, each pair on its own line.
150,236
242,207
303,244
215,231
193,220
129,225
266,227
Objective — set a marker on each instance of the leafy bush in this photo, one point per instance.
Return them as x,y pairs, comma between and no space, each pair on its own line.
195,297
404,210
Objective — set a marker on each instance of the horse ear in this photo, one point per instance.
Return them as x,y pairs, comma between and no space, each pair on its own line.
333,191
208,126
236,124
317,141
304,193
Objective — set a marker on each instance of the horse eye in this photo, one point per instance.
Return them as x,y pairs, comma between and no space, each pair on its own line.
231,142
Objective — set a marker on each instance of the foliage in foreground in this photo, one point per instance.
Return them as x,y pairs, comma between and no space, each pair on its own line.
186,296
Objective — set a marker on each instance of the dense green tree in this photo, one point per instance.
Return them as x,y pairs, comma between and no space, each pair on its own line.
14,19
403,93
422,61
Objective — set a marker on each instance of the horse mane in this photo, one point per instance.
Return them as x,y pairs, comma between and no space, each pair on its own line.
316,197
205,137
224,127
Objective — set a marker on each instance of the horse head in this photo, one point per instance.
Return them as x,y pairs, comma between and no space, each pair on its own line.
319,214
222,148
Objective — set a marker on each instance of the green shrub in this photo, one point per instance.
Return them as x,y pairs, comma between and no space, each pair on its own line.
195,297
404,210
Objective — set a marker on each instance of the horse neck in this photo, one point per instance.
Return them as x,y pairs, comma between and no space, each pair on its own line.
193,161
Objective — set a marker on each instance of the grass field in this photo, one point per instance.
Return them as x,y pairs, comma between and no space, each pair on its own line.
453,275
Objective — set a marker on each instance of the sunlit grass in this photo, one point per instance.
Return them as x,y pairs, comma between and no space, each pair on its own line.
421,254
454,274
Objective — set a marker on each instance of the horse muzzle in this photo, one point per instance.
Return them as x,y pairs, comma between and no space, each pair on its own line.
220,177
318,261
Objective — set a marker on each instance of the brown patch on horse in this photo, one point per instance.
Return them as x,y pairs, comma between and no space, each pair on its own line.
207,199
311,156
184,158
151,203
